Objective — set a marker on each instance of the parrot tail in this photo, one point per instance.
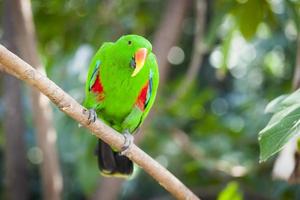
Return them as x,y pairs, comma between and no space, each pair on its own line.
111,163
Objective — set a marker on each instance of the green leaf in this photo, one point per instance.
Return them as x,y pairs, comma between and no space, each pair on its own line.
223,8
275,105
231,192
226,49
283,102
247,24
249,15
281,128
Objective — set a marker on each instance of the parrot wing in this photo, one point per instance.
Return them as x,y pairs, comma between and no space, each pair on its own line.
152,86
94,68
94,89
145,99
92,84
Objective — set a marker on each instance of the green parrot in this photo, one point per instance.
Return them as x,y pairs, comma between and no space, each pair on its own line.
120,90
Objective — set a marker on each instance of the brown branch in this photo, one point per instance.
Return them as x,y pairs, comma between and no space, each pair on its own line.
183,140
168,34
8,71
109,188
16,165
197,54
69,106
296,79
23,31
16,168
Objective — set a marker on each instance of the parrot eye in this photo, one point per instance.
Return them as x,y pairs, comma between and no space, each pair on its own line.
132,63
129,42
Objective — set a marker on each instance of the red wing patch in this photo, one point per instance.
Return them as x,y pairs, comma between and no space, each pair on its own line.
141,100
98,88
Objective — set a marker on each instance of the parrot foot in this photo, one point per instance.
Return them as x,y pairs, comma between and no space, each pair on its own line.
128,142
92,116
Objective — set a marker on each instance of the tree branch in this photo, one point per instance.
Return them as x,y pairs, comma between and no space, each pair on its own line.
197,54
69,106
109,188
22,27
296,79
169,31
16,165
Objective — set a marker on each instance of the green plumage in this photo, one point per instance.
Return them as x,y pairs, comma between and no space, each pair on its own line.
120,99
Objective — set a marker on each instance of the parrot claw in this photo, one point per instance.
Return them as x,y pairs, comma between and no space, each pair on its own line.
92,116
128,142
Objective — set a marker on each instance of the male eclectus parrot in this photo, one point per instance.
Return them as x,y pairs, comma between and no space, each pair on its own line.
120,89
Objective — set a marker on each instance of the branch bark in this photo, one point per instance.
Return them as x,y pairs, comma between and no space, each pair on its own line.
16,168
168,34
69,106
183,140
197,54
109,189
296,79
23,31
16,171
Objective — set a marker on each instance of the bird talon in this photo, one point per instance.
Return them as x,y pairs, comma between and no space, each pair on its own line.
92,116
127,143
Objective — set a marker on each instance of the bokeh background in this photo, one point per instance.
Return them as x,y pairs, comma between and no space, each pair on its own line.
221,62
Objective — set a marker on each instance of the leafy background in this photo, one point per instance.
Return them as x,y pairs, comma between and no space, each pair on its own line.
249,59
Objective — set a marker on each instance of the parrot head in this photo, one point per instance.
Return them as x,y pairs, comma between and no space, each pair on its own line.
135,50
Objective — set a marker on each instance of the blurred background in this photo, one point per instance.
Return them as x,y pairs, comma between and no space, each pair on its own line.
221,62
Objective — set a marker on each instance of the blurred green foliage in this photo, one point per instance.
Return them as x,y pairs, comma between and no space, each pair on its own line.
250,60
230,192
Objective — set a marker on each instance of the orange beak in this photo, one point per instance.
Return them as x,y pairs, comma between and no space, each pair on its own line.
140,58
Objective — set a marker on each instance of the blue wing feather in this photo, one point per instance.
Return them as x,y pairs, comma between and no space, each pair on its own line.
149,91
94,75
